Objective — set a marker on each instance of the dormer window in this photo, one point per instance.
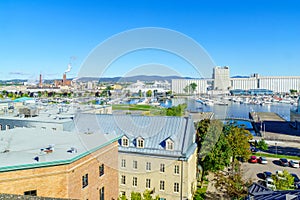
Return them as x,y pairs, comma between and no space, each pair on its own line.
169,144
140,142
125,141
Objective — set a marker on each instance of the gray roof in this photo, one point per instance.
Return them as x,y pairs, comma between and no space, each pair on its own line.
19,147
259,192
153,129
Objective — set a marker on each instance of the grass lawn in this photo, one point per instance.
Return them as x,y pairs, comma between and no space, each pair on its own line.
148,109
277,156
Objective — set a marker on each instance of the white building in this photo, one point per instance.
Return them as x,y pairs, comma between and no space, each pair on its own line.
179,85
221,78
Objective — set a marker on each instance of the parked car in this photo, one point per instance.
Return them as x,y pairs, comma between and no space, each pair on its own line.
294,163
262,160
280,175
267,174
284,162
296,178
269,183
253,159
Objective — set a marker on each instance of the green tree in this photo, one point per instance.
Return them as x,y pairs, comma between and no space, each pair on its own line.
202,128
176,110
238,139
219,157
262,145
190,89
233,184
122,197
193,87
292,91
149,93
284,181
136,196
147,195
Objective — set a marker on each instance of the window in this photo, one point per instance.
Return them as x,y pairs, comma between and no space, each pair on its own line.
134,181
123,193
170,145
123,179
31,193
148,183
162,185
125,142
134,164
101,193
85,180
101,170
176,187
162,167
176,169
140,143
148,166
123,163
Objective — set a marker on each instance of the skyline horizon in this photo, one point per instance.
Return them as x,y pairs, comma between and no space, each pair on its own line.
253,37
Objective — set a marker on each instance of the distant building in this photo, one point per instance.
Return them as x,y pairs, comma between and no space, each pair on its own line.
155,153
222,83
179,85
59,164
221,79
63,82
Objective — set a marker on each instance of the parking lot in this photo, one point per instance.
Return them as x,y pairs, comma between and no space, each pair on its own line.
253,171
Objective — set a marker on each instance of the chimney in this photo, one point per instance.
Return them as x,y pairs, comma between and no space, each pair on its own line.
41,81
64,79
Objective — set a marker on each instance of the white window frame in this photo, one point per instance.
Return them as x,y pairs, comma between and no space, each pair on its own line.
176,169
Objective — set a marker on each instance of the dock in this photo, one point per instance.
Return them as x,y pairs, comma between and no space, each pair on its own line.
273,127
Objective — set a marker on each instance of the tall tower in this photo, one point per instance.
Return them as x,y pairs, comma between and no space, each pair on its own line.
221,78
41,81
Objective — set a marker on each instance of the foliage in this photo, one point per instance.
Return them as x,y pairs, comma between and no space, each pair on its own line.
122,197
284,181
200,193
190,88
136,196
202,128
262,145
176,110
219,157
149,93
292,91
233,183
238,139
147,195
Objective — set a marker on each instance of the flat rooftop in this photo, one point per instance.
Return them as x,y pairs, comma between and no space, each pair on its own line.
20,146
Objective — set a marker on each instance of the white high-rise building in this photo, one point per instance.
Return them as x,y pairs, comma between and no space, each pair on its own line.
221,78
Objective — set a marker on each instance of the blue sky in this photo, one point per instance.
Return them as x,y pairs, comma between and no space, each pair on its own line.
255,36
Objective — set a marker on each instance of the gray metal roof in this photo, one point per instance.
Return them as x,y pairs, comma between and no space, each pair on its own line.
19,147
153,129
259,192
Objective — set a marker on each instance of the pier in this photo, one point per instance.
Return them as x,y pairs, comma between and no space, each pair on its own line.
274,127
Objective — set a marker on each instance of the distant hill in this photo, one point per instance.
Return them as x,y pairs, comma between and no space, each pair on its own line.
238,76
106,79
132,78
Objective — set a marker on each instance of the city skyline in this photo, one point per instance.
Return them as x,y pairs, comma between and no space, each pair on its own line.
44,37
